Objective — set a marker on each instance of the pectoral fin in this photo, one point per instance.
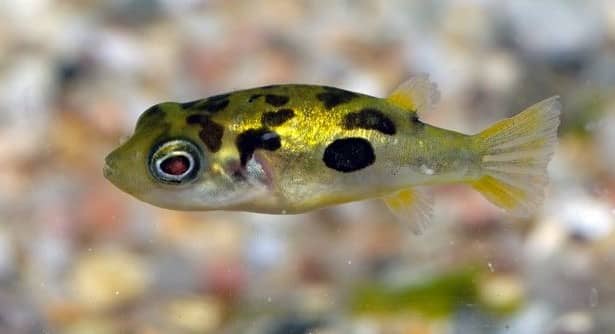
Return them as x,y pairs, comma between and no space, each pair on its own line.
411,206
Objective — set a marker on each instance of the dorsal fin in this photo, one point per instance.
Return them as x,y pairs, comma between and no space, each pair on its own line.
417,94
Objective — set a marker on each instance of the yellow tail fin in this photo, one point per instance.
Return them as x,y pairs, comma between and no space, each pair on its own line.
516,153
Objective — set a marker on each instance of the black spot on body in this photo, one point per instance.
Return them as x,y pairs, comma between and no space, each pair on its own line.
349,154
370,119
215,103
191,104
334,96
253,139
277,118
276,100
211,132
219,97
253,97
270,86
215,106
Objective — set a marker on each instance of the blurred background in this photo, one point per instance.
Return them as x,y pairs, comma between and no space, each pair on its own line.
79,256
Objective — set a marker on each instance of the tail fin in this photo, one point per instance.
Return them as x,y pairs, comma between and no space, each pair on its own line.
516,152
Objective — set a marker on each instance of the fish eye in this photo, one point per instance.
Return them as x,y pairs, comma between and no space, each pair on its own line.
176,161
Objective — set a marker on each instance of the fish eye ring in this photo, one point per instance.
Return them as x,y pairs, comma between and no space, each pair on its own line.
175,161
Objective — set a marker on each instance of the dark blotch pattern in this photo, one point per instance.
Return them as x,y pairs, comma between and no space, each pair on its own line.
277,118
152,114
215,103
370,119
334,96
191,104
276,100
254,139
219,97
349,154
211,132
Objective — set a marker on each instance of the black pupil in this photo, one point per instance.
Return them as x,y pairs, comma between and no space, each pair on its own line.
176,165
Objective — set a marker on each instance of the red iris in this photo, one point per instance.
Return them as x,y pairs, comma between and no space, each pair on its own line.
176,165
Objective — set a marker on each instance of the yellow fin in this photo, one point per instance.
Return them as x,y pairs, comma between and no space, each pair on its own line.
516,152
411,206
417,94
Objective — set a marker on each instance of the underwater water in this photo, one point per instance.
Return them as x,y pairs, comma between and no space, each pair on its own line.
77,255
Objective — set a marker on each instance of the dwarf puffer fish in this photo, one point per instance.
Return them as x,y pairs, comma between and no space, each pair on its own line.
293,148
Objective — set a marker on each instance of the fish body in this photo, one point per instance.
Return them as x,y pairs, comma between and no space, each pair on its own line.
295,148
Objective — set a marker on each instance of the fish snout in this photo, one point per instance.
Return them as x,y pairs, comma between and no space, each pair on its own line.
108,169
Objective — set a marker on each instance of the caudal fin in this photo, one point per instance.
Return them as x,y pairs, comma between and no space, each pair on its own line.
516,152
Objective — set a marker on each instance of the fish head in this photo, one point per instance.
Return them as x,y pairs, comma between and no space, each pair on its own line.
167,163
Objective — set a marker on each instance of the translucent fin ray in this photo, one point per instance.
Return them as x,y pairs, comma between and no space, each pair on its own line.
417,94
517,151
411,206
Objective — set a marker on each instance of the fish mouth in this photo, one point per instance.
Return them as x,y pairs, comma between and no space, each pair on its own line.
108,170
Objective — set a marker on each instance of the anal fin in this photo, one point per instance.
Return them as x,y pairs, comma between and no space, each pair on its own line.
411,206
